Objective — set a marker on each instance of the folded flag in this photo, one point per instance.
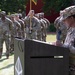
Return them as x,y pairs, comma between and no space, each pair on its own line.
35,2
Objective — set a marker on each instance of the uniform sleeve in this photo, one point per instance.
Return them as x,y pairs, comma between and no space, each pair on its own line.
18,27
56,23
11,27
22,25
71,46
37,26
25,19
48,22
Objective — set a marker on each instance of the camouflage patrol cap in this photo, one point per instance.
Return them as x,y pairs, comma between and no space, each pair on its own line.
67,12
42,13
3,13
20,14
12,15
16,14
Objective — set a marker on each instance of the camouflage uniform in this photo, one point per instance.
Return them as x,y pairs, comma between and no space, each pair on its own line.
32,33
44,30
47,21
61,29
44,33
31,29
57,25
70,38
22,25
16,28
64,30
6,30
70,43
39,33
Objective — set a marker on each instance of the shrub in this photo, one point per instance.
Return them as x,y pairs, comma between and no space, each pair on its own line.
51,28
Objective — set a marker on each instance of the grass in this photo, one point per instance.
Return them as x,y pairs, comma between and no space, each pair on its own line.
51,37
7,65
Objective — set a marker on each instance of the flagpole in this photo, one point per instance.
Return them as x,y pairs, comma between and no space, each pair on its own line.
30,17
30,4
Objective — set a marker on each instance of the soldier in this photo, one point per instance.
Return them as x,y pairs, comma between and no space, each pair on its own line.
22,25
61,29
68,17
47,21
6,30
23,14
20,16
44,29
39,33
32,25
16,28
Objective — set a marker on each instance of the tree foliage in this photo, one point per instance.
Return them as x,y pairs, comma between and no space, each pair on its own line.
12,5
20,5
56,5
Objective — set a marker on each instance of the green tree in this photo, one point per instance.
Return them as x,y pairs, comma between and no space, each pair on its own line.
20,5
12,5
56,5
